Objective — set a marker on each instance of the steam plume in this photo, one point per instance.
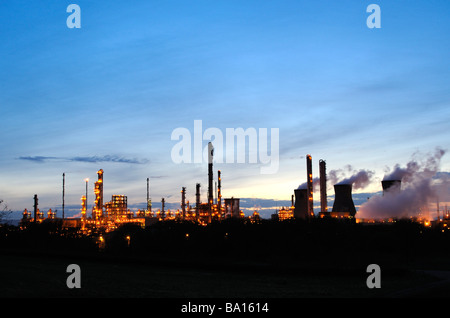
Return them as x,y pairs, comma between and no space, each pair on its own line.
316,185
359,179
420,185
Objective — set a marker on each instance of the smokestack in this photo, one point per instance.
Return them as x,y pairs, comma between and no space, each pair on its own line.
210,173
197,200
63,189
219,193
391,186
162,208
35,207
323,186
148,196
310,186
343,201
183,201
301,204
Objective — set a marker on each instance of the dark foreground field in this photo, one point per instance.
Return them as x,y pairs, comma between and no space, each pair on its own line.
233,261
37,276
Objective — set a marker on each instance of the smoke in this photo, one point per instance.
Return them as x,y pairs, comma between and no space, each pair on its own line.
420,185
316,185
359,178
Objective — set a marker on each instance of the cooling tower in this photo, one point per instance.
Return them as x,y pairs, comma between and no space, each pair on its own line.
391,185
343,201
301,204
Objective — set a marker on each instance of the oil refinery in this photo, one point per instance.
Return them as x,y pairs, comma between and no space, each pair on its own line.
108,216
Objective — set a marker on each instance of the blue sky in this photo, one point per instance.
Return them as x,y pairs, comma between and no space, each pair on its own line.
110,94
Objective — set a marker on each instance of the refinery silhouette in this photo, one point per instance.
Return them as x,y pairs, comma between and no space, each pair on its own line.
215,237
108,216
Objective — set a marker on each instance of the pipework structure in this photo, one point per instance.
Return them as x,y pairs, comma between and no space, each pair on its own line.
97,212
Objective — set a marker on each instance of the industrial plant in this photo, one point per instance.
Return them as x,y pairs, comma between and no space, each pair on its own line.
108,216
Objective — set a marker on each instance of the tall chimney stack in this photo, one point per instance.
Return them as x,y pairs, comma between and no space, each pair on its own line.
148,196
310,186
210,174
323,186
35,207
63,190
183,201
219,193
197,200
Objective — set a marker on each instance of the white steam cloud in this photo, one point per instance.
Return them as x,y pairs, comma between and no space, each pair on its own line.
420,185
359,179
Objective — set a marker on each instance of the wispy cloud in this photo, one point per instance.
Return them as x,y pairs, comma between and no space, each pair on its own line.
39,159
89,159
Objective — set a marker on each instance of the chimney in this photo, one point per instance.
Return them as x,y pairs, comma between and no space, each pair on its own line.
323,186
35,207
210,174
63,193
310,186
183,201
343,201
219,193
149,204
197,200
